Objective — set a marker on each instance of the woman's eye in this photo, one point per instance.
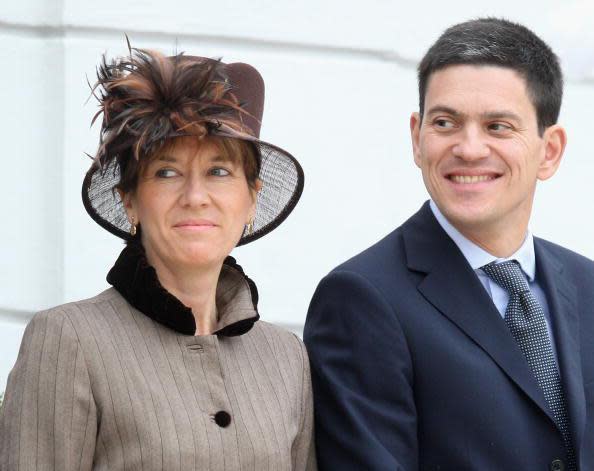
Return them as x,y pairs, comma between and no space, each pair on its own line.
219,172
166,173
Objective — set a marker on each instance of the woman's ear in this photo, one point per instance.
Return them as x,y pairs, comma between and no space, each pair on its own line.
128,203
254,192
258,185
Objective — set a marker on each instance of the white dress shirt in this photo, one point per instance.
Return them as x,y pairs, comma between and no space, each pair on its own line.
478,257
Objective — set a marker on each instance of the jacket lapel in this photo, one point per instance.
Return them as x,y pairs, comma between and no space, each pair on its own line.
561,297
453,288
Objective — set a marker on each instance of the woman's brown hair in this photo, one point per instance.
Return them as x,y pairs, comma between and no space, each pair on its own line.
237,151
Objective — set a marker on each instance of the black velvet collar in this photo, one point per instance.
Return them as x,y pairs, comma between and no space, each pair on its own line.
137,282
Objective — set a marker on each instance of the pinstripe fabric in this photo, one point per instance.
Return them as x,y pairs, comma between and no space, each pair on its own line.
98,385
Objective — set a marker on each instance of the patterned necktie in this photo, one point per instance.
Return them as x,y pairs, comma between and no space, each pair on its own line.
526,321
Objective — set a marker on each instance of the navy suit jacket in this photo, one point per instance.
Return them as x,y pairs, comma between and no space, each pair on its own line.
414,368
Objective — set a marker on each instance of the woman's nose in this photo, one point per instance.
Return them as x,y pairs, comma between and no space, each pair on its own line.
195,191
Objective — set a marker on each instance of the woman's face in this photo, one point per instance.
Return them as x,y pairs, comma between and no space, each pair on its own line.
192,203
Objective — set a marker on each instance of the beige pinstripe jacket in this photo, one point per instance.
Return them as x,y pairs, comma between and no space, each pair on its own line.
98,385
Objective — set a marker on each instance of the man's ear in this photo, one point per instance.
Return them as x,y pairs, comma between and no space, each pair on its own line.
555,139
415,129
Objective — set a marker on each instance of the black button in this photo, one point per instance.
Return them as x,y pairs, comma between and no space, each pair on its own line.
222,418
557,465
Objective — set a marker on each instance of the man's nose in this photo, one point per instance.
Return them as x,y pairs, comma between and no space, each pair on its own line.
472,144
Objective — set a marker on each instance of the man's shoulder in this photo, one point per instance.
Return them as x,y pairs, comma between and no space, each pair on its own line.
375,256
572,266
567,257
389,254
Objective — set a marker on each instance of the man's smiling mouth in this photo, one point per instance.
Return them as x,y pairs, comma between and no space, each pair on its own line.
471,178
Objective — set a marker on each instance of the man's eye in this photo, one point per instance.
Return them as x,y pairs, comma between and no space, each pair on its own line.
166,173
219,172
443,123
499,127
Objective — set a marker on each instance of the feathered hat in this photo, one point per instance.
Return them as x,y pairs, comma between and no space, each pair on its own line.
147,98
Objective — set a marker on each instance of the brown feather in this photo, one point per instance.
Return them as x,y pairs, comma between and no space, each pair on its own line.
147,98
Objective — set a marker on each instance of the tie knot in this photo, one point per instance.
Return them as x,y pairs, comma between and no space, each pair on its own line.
508,275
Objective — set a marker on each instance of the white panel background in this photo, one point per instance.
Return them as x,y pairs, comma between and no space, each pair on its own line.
341,85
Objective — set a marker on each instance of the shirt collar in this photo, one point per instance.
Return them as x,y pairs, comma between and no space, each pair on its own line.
477,257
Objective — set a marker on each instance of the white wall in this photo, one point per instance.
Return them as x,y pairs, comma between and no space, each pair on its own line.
341,84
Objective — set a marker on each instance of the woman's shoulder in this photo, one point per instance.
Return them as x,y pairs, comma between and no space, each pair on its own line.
75,311
281,340
285,351
62,328
109,295
276,331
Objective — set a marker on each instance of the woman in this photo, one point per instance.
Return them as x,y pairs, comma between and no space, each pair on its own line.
170,368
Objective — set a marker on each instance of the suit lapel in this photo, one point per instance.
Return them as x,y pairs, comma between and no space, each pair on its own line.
453,288
561,296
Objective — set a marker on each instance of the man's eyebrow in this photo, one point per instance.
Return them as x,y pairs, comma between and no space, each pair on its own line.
503,114
489,115
444,109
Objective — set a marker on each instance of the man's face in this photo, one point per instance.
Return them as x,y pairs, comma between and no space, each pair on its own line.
479,149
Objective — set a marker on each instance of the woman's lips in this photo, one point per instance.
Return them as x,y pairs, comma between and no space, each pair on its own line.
195,225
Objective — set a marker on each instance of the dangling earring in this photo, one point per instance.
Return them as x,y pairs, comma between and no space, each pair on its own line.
250,226
132,226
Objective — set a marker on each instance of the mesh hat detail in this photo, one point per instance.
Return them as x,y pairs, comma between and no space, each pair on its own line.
147,98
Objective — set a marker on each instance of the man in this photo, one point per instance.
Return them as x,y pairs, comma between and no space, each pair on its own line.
460,341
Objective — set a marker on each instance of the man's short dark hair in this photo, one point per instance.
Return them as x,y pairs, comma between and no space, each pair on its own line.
499,42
